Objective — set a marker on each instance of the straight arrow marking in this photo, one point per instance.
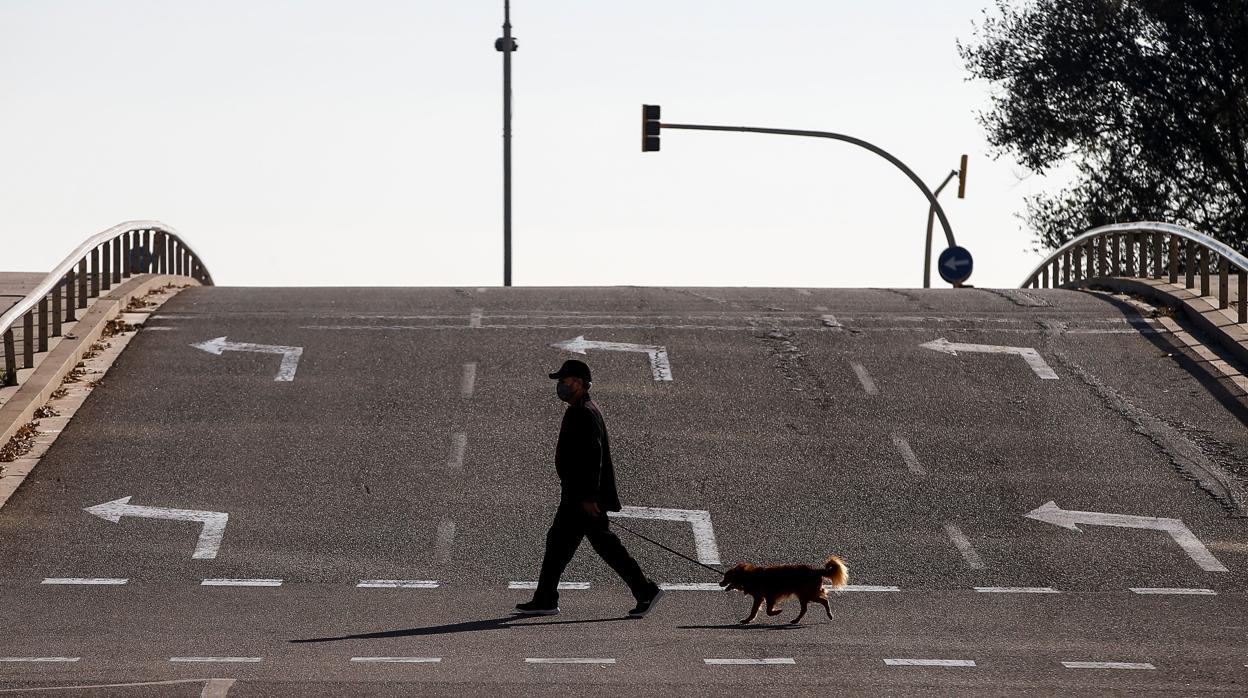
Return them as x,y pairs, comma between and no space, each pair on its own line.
1053,514
209,536
290,355
1031,356
659,365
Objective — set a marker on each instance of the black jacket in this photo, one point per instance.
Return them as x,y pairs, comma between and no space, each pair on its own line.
583,457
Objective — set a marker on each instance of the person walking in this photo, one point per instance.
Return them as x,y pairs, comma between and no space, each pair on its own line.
587,493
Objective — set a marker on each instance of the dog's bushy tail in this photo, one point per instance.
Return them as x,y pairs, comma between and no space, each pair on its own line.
836,571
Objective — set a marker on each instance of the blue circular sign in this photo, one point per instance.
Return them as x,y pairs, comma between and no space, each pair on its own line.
955,264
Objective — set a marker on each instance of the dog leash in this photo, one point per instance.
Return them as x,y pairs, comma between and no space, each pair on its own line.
679,554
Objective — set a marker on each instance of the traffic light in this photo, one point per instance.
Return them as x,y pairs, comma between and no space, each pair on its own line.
962,179
650,128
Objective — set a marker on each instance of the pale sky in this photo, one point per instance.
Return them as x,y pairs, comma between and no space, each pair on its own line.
332,143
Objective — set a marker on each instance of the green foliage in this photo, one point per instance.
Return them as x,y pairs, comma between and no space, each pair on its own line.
1148,99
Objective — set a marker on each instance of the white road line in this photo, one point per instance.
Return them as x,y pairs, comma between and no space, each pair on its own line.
930,662
563,586
470,379
459,444
699,519
216,688
158,329
960,541
569,660
907,454
1017,590
400,660
250,660
39,659
84,580
1108,665
865,587
1173,590
766,660
691,586
241,583
446,537
831,321
474,320
397,584
865,378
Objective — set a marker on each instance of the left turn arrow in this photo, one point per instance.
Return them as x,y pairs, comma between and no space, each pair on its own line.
290,355
209,536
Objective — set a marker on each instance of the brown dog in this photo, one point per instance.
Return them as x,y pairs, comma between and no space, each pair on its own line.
776,583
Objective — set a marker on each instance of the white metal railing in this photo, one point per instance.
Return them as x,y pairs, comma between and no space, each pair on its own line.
128,249
1145,250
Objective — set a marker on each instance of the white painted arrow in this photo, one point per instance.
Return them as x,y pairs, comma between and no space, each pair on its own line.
209,537
290,355
658,355
1031,356
1051,513
699,519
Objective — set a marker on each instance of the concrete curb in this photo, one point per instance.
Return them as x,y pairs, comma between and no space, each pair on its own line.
1203,312
37,389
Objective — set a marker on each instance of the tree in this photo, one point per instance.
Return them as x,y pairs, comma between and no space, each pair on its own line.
1147,99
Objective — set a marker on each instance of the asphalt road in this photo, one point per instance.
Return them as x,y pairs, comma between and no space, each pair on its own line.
415,443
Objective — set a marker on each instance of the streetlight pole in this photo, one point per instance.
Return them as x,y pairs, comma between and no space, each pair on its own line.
931,218
506,45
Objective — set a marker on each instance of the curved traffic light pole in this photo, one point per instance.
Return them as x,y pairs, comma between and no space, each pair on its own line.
931,198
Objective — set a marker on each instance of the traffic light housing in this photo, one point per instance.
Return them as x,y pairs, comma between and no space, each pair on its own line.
962,179
650,128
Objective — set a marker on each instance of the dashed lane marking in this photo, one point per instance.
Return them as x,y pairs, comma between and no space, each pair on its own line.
569,660
1108,665
766,661
446,537
907,454
397,584
563,586
39,659
930,662
474,320
399,660
470,379
865,587
1017,590
241,583
1174,590
84,580
459,444
223,660
963,544
691,586
213,688
865,378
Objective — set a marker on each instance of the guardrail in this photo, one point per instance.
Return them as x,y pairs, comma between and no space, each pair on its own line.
129,249
1145,250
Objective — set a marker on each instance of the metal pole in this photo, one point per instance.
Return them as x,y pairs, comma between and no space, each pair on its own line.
931,198
931,218
506,45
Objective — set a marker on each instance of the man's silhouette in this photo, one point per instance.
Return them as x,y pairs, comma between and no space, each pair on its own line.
587,483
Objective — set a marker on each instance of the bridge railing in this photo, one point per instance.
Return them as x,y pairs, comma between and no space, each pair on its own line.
1144,251
129,249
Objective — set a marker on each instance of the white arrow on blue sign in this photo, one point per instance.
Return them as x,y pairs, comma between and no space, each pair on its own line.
955,264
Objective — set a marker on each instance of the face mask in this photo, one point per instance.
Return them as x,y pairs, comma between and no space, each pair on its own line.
564,391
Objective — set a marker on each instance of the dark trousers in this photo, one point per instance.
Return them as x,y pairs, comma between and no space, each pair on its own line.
571,524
